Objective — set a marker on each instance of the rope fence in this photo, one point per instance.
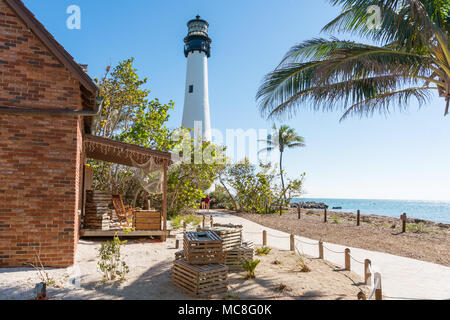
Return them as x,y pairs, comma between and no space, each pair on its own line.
370,277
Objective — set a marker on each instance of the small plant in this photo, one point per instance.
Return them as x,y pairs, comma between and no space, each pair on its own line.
42,272
177,221
302,263
264,251
282,288
416,227
335,220
276,262
250,266
111,264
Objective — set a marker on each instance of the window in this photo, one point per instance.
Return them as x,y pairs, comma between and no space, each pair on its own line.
191,89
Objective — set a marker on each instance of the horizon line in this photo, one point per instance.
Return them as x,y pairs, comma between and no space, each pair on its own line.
391,199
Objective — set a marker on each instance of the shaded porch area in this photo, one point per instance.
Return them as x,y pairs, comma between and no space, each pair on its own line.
104,214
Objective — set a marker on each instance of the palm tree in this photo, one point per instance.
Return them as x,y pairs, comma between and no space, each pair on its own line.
284,138
409,59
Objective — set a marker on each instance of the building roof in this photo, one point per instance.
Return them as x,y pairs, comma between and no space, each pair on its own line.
52,45
108,150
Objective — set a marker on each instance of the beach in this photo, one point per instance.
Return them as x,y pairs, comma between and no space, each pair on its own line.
150,278
424,240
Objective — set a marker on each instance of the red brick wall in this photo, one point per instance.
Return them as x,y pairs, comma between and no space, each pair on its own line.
39,155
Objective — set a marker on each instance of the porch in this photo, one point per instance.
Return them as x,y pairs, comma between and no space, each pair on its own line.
104,214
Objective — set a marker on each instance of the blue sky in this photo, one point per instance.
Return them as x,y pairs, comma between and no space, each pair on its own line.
403,156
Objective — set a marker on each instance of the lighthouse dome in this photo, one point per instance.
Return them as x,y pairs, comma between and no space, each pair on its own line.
197,38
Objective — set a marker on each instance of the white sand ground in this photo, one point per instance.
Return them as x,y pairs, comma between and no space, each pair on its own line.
402,278
150,265
150,277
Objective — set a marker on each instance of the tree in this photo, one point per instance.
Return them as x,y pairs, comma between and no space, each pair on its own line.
255,187
284,138
188,180
128,116
410,58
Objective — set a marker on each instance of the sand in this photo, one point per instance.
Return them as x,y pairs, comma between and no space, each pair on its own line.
150,278
376,233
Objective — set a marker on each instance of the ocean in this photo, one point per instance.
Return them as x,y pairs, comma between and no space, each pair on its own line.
438,211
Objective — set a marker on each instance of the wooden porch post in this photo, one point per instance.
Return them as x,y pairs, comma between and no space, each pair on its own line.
164,200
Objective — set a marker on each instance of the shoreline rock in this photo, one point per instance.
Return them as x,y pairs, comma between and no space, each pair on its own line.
309,205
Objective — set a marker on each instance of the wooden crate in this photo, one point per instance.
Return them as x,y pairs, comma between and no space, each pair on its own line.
147,220
97,214
202,248
200,281
235,257
248,244
231,235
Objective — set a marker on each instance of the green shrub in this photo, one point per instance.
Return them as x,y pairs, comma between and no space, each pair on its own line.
177,221
111,264
335,219
250,266
264,251
416,227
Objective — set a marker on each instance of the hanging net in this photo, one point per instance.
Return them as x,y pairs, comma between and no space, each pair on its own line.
149,174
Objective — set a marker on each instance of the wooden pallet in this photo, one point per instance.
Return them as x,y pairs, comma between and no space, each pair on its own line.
248,244
147,220
200,281
97,214
231,235
202,248
235,257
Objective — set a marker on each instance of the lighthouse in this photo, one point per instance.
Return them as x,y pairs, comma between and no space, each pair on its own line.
197,50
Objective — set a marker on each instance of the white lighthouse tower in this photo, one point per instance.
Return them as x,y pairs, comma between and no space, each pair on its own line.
196,103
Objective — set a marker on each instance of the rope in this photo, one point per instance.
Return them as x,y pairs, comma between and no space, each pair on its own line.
311,244
279,237
356,260
339,252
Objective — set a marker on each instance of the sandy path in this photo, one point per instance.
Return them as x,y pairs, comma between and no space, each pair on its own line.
401,277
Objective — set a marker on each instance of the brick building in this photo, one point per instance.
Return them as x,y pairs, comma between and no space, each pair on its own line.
47,103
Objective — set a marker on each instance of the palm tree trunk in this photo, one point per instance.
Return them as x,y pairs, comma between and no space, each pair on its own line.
281,174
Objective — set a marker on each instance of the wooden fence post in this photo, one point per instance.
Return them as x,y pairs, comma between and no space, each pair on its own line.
184,226
320,249
403,218
281,211
264,238
212,221
347,259
367,273
378,290
204,222
325,216
292,242
299,212
358,218
177,244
